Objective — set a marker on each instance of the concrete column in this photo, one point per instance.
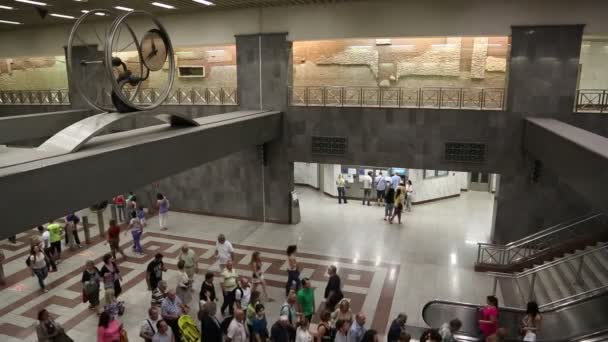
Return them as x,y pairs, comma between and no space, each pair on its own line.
264,63
542,80
102,229
87,231
113,212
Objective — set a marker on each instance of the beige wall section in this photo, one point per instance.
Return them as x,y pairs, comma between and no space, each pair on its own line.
396,18
42,73
594,64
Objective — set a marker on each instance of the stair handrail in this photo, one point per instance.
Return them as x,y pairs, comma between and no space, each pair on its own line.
521,243
537,269
549,264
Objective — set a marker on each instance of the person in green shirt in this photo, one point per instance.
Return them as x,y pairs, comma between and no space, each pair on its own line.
306,299
56,232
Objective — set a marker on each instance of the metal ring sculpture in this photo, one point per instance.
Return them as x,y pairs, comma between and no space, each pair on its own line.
153,50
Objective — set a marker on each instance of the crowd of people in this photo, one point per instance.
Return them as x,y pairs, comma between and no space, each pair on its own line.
242,312
393,192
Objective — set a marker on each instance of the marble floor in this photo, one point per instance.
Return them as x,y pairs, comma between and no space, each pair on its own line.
386,269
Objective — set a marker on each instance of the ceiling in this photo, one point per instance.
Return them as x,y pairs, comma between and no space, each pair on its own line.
28,15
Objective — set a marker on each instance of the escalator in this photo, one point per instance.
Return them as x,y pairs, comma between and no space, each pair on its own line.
583,320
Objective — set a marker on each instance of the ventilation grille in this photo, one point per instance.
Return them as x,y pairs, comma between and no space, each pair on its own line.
335,146
465,152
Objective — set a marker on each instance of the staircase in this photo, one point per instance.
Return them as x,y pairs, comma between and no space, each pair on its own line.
543,246
573,276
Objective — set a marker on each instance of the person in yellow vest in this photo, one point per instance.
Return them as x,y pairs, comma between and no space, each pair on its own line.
56,231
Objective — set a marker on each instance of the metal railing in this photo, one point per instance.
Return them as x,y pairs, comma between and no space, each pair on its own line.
394,97
223,96
532,274
540,242
35,97
591,101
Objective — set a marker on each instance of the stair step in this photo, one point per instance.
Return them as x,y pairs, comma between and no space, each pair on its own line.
590,277
597,267
565,280
552,286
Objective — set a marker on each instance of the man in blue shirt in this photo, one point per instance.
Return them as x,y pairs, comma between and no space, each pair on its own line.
395,180
355,334
380,187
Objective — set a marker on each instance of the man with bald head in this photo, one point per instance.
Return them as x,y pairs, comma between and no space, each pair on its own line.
355,334
237,330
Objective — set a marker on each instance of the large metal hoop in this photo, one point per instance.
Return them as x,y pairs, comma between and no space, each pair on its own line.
170,55
70,57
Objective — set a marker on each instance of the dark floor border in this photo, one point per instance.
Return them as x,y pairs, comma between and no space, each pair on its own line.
244,218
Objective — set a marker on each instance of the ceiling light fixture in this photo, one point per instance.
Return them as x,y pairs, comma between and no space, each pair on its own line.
7,7
61,16
96,13
205,2
126,9
160,4
32,2
9,22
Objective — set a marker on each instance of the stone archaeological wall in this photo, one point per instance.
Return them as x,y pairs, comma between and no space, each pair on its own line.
401,62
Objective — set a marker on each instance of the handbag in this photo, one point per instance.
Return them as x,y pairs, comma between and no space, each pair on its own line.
123,336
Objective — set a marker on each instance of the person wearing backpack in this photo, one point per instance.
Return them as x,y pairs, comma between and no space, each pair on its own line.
38,264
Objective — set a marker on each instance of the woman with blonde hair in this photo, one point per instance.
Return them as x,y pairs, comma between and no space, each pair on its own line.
343,312
257,277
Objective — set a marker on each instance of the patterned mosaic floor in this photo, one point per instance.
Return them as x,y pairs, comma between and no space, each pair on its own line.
369,285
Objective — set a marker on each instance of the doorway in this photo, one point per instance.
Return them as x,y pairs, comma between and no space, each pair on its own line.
479,181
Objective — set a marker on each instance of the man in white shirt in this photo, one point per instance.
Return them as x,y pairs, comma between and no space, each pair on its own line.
242,294
223,251
148,326
380,188
367,186
237,331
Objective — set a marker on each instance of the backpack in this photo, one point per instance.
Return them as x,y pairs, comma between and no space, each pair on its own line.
239,289
188,329
225,324
28,262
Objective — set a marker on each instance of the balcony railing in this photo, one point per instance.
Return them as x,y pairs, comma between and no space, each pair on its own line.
35,97
224,96
591,101
448,98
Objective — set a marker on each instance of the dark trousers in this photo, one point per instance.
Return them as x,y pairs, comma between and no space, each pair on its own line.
341,195
397,212
56,248
293,281
49,254
41,274
367,193
175,328
228,303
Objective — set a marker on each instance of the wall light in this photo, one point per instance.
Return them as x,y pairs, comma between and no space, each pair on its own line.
61,16
7,7
359,47
160,4
32,2
126,9
9,22
205,2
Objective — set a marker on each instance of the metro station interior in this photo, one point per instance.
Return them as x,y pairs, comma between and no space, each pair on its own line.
441,155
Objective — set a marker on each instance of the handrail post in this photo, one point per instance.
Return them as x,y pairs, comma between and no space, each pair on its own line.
342,96
440,98
531,296
495,286
478,253
579,271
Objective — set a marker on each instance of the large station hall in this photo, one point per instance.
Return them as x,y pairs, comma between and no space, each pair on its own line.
303,171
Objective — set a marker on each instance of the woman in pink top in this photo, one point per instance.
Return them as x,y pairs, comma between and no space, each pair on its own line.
488,323
108,329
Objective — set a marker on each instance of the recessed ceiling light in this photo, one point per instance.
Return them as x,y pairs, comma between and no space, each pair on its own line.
9,22
205,2
126,9
7,7
96,13
32,2
61,16
160,4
